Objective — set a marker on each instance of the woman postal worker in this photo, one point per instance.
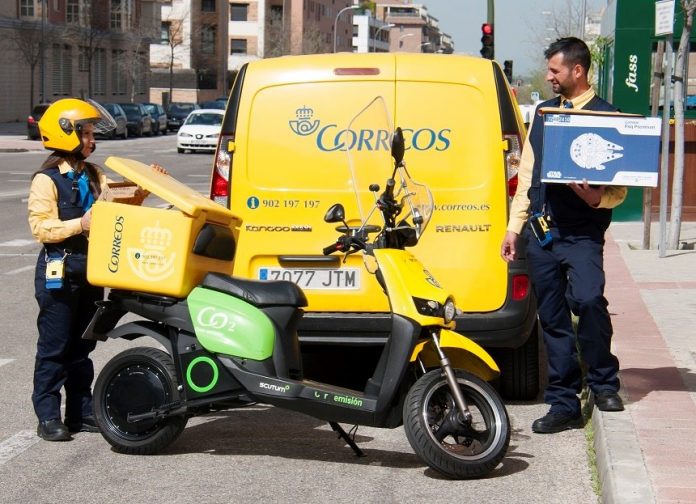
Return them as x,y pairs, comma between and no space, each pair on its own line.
60,200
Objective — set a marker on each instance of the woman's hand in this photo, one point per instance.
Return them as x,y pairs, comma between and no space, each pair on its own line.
144,193
86,221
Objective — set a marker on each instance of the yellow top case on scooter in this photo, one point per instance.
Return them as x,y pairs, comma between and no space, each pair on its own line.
158,250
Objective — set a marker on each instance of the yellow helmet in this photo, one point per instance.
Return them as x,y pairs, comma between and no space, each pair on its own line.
61,124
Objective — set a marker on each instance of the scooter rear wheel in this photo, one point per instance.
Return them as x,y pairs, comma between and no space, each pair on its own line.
457,450
136,381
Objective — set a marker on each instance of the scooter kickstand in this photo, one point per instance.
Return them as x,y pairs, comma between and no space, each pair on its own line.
343,434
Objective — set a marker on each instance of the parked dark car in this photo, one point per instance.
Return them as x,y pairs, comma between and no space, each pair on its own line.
33,121
177,112
213,104
120,118
159,117
139,120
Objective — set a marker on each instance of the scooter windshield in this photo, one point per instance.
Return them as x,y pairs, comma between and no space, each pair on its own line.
375,154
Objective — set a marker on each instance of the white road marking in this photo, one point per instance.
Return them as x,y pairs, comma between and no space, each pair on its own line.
17,243
5,361
17,444
20,270
12,194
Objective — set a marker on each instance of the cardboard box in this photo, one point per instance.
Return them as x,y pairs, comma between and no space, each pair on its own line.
156,250
603,148
122,192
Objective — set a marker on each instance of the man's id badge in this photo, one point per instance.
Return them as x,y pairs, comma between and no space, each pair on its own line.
55,269
540,228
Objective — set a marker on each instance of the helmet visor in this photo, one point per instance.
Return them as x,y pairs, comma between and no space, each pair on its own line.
104,124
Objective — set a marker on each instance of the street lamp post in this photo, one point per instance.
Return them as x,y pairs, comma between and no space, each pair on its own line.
345,9
404,36
374,40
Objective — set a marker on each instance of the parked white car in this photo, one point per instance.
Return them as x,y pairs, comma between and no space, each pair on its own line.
200,130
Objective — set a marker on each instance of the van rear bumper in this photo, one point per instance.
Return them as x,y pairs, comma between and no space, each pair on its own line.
508,327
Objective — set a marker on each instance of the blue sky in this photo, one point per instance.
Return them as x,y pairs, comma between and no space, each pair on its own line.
517,24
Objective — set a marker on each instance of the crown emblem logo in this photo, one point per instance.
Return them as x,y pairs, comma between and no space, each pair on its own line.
304,125
151,261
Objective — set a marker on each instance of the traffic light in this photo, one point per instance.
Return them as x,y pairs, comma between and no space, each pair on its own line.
487,41
507,70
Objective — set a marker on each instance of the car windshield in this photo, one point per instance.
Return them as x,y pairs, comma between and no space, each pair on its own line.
180,109
204,119
110,107
151,108
131,109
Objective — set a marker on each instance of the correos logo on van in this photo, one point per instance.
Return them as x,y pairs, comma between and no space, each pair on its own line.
330,138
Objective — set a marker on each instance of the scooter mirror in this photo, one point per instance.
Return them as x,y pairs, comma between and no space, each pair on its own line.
397,147
335,214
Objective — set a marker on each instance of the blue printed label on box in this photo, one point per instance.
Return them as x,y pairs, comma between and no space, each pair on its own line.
603,149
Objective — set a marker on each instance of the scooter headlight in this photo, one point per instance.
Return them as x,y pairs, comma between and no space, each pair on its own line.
449,311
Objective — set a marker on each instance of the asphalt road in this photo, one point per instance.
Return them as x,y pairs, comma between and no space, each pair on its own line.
260,453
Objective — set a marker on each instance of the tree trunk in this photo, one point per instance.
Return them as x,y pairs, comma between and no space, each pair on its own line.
679,77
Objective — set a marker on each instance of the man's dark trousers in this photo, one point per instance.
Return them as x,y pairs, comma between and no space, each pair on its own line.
568,275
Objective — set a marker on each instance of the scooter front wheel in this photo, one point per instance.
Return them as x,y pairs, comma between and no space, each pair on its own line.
457,448
138,381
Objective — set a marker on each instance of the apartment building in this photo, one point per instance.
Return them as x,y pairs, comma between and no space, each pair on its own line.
187,61
414,29
51,49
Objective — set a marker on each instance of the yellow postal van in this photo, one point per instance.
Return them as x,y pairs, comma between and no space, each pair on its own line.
281,163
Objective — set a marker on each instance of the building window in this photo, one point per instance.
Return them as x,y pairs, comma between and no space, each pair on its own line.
207,5
61,60
72,11
240,12
208,39
141,75
118,76
238,46
121,14
99,73
26,8
165,30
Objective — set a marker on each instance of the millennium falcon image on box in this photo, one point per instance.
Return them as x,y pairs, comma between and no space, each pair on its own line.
591,151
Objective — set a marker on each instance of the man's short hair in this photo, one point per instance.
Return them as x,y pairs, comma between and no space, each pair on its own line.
574,50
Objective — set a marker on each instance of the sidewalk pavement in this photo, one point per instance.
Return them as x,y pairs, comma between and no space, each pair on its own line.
648,452
13,138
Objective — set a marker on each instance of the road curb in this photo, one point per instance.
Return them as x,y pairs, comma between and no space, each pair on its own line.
620,464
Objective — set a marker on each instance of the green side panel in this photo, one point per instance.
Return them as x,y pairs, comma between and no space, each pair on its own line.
227,325
632,207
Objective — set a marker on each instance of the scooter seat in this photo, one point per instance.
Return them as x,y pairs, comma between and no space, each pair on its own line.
257,292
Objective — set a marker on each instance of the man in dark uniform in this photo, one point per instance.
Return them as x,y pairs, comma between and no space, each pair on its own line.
567,274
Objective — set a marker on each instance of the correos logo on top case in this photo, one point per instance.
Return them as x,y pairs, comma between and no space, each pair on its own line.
153,260
330,137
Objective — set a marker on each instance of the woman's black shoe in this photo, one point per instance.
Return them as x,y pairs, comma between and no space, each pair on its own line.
86,424
53,430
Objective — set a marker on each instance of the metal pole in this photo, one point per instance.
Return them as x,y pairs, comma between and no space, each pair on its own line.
350,7
664,167
374,40
655,98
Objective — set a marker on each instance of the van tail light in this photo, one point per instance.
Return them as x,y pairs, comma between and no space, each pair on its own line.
520,287
220,183
513,154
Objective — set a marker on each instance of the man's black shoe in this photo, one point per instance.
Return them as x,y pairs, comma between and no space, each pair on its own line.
86,424
53,430
608,401
556,422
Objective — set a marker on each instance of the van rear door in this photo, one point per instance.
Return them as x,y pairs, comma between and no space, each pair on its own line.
455,145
